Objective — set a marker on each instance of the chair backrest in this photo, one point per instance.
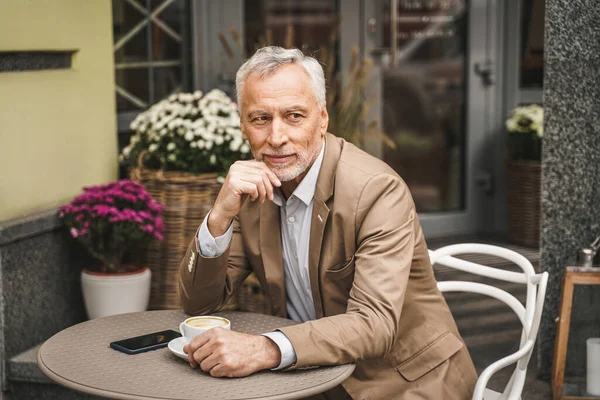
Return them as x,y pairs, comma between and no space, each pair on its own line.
529,315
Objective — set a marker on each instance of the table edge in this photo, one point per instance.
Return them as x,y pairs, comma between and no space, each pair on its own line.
323,387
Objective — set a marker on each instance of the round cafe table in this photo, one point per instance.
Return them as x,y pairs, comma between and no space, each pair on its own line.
80,358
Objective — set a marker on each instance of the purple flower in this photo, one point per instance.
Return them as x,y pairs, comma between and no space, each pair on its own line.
148,228
103,211
154,206
129,197
145,215
160,225
105,218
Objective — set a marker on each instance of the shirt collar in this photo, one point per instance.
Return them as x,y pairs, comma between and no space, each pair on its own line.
307,187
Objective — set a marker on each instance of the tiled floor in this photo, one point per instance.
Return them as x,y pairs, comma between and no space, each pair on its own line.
490,329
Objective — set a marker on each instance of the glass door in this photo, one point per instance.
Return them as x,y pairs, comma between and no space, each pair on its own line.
430,92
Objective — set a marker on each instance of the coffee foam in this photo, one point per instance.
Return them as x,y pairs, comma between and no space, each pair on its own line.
206,322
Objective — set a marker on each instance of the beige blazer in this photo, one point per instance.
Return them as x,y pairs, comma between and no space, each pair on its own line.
375,296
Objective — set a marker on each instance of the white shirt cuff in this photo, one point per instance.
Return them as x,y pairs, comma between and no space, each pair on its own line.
288,354
209,245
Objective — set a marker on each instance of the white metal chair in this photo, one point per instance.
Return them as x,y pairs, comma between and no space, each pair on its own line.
529,315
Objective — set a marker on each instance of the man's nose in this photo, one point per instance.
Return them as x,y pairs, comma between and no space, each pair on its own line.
278,136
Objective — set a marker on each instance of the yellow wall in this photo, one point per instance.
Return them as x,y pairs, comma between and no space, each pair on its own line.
58,127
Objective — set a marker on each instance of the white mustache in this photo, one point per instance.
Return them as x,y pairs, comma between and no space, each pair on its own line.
276,154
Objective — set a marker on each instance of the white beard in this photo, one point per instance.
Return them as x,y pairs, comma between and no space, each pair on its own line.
289,172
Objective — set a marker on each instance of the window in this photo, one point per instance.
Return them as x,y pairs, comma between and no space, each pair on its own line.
152,50
532,44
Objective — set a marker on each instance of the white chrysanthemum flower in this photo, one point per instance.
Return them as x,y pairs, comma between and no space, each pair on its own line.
512,125
153,147
213,159
201,144
208,135
181,131
173,97
126,151
198,94
245,149
171,146
171,157
163,132
221,179
208,145
189,136
234,145
193,145
219,140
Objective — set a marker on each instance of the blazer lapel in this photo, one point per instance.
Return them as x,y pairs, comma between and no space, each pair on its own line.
272,256
318,220
320,215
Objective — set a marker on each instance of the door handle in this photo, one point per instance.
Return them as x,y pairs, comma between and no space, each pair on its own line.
485,71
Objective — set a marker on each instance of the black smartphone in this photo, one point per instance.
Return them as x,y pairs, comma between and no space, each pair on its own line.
140,344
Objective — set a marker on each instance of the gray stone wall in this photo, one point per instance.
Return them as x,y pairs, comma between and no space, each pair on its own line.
571,168
39,281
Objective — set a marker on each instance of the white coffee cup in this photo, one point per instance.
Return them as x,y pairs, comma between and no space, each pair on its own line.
194,326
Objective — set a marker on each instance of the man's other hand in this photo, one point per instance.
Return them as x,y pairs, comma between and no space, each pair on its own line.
224,353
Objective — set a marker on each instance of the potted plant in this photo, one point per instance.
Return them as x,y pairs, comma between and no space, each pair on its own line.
109,220
525,126
180,148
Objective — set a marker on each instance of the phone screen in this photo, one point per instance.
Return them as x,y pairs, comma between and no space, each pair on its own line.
149,340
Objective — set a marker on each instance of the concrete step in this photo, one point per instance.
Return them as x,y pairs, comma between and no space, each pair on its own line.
23,368
27,381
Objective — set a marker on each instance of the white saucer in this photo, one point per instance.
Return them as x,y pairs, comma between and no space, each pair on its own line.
176,347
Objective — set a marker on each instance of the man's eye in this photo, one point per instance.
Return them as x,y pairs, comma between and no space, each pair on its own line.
295,116
261,119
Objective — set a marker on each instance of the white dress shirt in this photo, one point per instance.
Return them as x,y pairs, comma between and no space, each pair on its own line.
295,215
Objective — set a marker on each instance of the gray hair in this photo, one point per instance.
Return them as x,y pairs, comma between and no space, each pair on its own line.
268,59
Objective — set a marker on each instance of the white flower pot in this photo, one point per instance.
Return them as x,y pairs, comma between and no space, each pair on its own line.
111,294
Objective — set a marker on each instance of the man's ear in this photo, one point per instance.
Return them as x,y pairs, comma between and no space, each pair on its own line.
324,120
244,136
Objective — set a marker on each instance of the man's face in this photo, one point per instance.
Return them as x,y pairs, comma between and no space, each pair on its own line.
282,121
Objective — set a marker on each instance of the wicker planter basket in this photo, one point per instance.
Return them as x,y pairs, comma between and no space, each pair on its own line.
187,198
523,187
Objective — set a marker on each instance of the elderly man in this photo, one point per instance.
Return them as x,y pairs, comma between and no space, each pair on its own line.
334,239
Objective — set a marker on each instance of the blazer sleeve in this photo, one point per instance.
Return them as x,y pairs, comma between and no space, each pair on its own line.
207,283
385,237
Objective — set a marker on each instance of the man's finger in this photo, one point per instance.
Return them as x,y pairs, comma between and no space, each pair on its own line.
260,186
248,188
218,371
200,355
272,177
269,187
193,346
261,166
208,362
